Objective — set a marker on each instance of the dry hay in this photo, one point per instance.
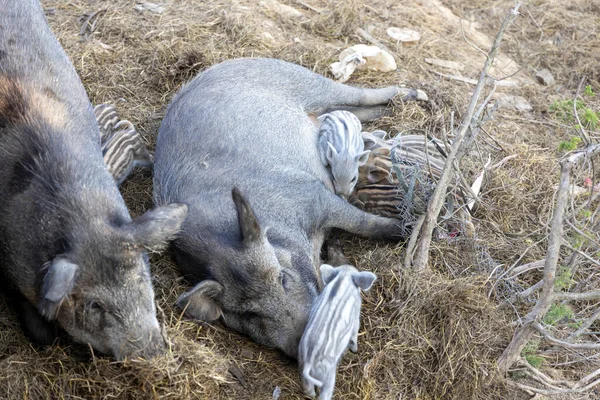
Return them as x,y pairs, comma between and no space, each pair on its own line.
430,335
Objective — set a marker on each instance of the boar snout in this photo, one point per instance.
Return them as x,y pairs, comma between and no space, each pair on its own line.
147,346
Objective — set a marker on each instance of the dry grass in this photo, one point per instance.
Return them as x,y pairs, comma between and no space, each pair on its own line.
428,336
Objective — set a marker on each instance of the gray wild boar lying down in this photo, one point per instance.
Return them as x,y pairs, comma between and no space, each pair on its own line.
332,327
238,147
70,255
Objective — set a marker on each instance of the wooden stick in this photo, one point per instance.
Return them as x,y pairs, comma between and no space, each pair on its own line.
523,334
437,201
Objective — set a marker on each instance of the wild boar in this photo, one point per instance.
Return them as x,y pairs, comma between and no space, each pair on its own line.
242,131
341,148
332,327
70,255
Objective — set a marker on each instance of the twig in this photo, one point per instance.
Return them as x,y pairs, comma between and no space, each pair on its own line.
579,231
410,247
522,335
581,253
525,293
563,343
371,39
584,135
87,23
437,201
526,267
584,296
586,325
474,82
462,31
543,377
472,133
308,6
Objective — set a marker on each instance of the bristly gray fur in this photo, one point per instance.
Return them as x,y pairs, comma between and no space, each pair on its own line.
233,125
341,148
332,327
70,255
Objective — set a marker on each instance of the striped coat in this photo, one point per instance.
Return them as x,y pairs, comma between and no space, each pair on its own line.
122,146
341,147
332,327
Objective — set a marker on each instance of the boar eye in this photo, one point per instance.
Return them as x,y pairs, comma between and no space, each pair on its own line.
353,180
96,307
284,279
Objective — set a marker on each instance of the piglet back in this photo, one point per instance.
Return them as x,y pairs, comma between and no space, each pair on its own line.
332,321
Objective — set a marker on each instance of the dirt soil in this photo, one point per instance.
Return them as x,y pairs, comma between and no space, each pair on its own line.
431,335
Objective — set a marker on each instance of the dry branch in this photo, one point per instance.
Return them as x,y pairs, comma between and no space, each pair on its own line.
585,296
419,261
563,343
531,322
584,327
522,335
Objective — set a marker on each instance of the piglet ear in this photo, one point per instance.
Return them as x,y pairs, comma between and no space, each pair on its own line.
364,279
368,141
328,273
57,285
153,230
363,157
379,134
331,152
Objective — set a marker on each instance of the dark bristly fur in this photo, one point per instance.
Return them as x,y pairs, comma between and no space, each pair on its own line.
245,123
69,253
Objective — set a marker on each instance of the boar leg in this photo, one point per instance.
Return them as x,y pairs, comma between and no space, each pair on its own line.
333,95
366,114
342,215
36,327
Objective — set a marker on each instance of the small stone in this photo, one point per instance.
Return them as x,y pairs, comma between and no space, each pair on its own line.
268,39
247,353
544,77
276,393
282,9
515,102
153,7
455,65
404,35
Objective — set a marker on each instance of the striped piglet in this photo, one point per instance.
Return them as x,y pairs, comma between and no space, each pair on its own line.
332,327
122,146
341,147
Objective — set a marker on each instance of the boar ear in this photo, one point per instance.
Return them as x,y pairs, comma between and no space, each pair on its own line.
364,279
249,226
58,283
200,303
363,157
331,152
328,273
154,229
